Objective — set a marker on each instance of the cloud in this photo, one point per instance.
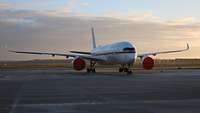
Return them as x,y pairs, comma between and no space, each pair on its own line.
5,5
133,16
72,7
19,17
182,21
85,4
9,6
71,32
21,21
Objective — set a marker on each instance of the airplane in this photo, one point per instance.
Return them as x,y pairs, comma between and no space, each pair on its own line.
123,53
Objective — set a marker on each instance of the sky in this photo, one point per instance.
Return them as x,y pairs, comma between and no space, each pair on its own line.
64,25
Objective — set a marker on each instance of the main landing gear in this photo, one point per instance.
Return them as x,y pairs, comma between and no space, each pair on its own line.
92,67
125,69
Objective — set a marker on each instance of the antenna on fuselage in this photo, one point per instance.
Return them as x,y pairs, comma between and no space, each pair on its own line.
93,38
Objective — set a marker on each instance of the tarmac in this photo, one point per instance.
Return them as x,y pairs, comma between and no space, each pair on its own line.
67,91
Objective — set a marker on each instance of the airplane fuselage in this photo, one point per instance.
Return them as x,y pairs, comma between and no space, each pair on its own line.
119,53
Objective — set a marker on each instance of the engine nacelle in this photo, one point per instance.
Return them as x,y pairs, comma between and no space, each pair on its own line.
148,63
79,64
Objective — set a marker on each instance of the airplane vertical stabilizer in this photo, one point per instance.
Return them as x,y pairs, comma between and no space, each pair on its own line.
93,39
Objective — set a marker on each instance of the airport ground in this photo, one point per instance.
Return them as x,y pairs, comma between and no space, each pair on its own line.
61,90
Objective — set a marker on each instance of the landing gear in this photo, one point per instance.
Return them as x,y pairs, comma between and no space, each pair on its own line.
129,72
91,70
126,69
92,67
121,70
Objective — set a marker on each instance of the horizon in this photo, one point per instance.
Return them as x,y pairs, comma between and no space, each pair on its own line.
52,59
64,25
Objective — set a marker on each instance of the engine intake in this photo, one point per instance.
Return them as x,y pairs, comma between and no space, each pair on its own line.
148,63
79,64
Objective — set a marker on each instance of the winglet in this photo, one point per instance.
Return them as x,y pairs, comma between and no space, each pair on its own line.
188,47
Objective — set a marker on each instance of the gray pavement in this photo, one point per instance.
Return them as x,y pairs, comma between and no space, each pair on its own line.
66,91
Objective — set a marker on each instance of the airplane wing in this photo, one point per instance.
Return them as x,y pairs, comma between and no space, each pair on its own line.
164,52
88,56
81,52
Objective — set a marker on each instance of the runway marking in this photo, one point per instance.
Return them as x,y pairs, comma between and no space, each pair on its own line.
61,104
103,103
17,99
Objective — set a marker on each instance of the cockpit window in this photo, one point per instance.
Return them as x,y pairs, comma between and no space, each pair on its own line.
129,49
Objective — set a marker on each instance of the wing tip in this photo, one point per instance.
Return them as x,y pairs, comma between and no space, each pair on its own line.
188,47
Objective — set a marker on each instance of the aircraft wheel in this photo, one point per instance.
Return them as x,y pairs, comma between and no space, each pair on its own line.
129,72
94,70
88,70
126,70
121,70
91,70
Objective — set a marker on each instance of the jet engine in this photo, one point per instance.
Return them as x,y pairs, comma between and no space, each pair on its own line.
79,64
148,63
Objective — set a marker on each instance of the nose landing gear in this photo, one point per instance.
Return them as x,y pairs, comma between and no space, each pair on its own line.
125,69
92,67
91,70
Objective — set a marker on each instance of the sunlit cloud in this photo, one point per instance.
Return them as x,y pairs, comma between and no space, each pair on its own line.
23,27
182,21
134,16
4,6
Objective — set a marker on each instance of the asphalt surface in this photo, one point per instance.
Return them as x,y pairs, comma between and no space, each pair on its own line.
63,91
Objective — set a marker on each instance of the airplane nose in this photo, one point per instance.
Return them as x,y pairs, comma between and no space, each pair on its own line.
131,59
134,57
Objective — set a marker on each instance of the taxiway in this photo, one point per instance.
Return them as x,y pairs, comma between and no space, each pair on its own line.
65,91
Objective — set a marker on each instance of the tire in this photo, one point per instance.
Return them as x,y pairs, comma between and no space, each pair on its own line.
121,70
129,72
88,70
126,70
94,70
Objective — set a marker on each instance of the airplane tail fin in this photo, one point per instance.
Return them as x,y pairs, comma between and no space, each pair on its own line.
93,39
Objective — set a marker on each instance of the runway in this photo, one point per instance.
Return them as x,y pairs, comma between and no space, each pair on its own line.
66,91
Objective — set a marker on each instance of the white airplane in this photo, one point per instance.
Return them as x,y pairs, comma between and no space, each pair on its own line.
123,53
